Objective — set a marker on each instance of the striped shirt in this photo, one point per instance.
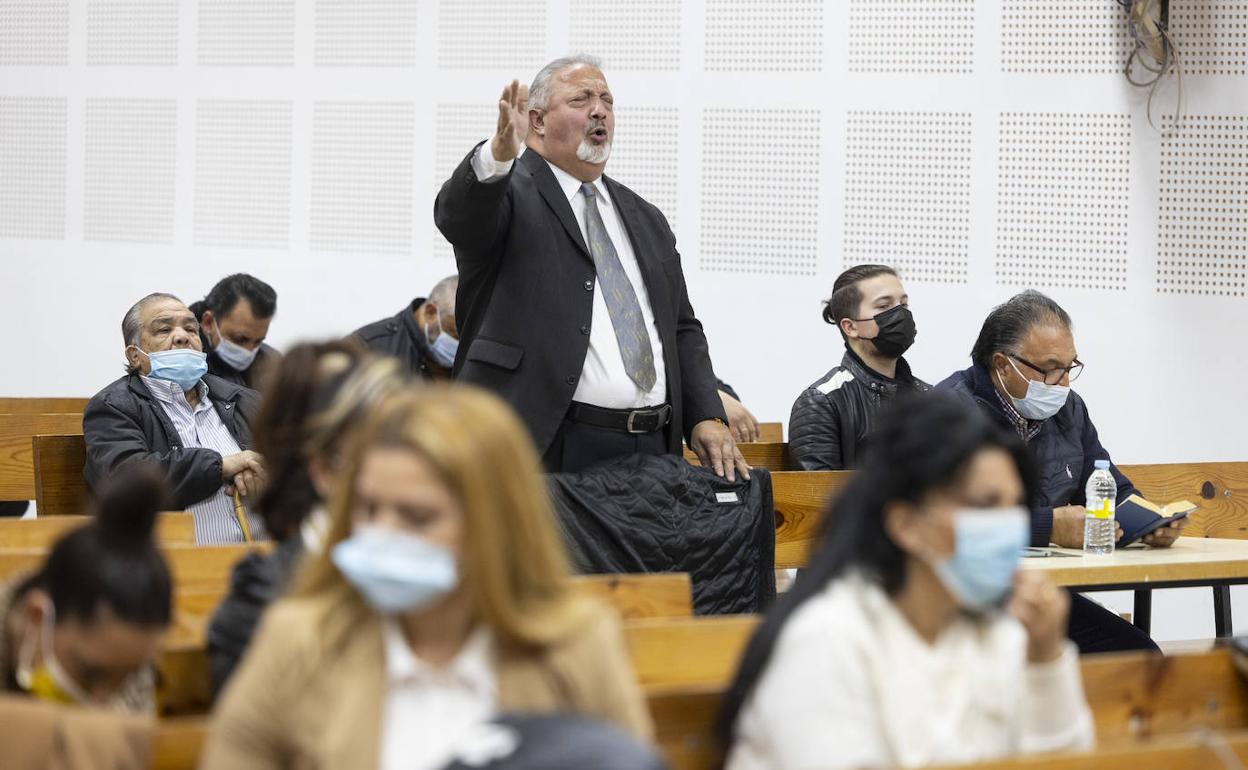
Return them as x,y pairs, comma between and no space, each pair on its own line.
200,426
1026,429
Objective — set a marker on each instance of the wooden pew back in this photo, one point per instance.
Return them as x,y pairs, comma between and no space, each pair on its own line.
60,487
1220,489
774,456
172,528
194,568
17,464
771,432
11,405
799,498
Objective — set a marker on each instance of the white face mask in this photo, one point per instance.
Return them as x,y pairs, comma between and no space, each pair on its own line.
236,356
1042,400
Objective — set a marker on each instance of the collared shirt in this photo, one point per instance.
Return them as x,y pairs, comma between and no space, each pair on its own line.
201,427
1027,429
431,710
604,381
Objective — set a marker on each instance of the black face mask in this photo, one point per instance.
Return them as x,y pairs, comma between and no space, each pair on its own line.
896,331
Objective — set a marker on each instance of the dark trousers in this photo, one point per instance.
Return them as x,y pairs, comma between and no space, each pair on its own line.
577,446
13,508
1095,629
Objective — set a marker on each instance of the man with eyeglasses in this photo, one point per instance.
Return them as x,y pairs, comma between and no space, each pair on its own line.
1022,366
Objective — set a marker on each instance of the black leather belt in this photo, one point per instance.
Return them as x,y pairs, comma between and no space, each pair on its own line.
646,420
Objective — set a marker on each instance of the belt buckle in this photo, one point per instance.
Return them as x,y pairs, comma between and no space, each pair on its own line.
632,416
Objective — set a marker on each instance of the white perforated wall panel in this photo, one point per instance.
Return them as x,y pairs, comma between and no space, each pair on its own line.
247,33
137,33
130,170
630,34
760,210
645,155
1063,37
1202,219
928,37
764,35
361,177
507,35
366,33
34,33
458,128
242,173
32,167
1212,36
908,193
1063,186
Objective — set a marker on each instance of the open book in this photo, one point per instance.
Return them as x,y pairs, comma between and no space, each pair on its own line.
1138,517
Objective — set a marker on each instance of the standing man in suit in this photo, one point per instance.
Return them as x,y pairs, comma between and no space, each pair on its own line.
572,305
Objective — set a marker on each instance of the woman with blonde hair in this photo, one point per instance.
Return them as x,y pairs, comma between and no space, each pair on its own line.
441,599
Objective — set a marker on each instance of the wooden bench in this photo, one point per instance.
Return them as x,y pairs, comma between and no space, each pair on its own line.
774,455
194,568
799,499
172,528
17,465
771,432
10,405
60,487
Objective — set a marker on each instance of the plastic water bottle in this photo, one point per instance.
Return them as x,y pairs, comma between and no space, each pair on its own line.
1101,497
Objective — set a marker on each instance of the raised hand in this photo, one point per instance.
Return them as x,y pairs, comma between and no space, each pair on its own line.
513,122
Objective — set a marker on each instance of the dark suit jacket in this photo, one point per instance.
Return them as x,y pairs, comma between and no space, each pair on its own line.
525,298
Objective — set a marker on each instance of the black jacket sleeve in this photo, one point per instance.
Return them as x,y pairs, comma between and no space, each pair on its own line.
473,215
114,438
815,432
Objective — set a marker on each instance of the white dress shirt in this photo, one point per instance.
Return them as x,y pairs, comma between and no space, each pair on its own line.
851,684
604,381
432,712
201,427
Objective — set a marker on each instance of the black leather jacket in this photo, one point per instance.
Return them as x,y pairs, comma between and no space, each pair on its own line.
400,336
832,418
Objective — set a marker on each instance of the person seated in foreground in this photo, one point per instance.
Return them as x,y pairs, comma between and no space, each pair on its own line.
1023,364
441,599
911,639
831,419
318,394
168,411
234,322
86,627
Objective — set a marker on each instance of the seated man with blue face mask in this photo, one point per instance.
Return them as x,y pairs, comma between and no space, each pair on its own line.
1023,364
168,411
423,335
234,323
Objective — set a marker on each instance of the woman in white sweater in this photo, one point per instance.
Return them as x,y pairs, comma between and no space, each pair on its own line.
911,639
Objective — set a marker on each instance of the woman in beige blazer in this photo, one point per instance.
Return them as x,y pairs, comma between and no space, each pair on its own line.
442,598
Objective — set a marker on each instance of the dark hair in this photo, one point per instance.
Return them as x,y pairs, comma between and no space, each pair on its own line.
230,289
921,443
307,408
113,560
1008,323
846,296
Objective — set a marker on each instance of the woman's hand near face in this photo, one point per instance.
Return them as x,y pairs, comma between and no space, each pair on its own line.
1044,610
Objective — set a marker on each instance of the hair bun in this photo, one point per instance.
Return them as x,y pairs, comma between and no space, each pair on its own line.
126,508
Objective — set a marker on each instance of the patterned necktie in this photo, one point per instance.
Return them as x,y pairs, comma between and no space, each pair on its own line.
621,299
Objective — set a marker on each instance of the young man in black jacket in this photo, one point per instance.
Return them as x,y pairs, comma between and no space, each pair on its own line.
833,417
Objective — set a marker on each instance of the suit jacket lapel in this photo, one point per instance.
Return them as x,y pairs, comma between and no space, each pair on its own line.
548,186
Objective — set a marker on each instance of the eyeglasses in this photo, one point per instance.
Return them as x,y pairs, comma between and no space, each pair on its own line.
1053,376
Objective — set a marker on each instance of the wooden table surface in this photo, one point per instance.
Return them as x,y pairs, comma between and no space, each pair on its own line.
1191,561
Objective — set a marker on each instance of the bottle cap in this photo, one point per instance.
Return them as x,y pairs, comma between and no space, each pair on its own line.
1101,465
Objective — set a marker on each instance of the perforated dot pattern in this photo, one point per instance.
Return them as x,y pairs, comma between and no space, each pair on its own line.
136,33
760,197
242,173
247,33
628,34
1064,36
645,155
500,35
458,128
34,33
366,33
362,177
130,174
1203,207
764,35
1212,37
934,36
33,139
908,193
1062,200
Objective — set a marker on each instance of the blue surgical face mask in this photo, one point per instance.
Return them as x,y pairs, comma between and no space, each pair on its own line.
1042,400
236,356
980,573
394,571
444,347
182,366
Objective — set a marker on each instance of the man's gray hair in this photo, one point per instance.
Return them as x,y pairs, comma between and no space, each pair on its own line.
443,294
132,323
539,91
